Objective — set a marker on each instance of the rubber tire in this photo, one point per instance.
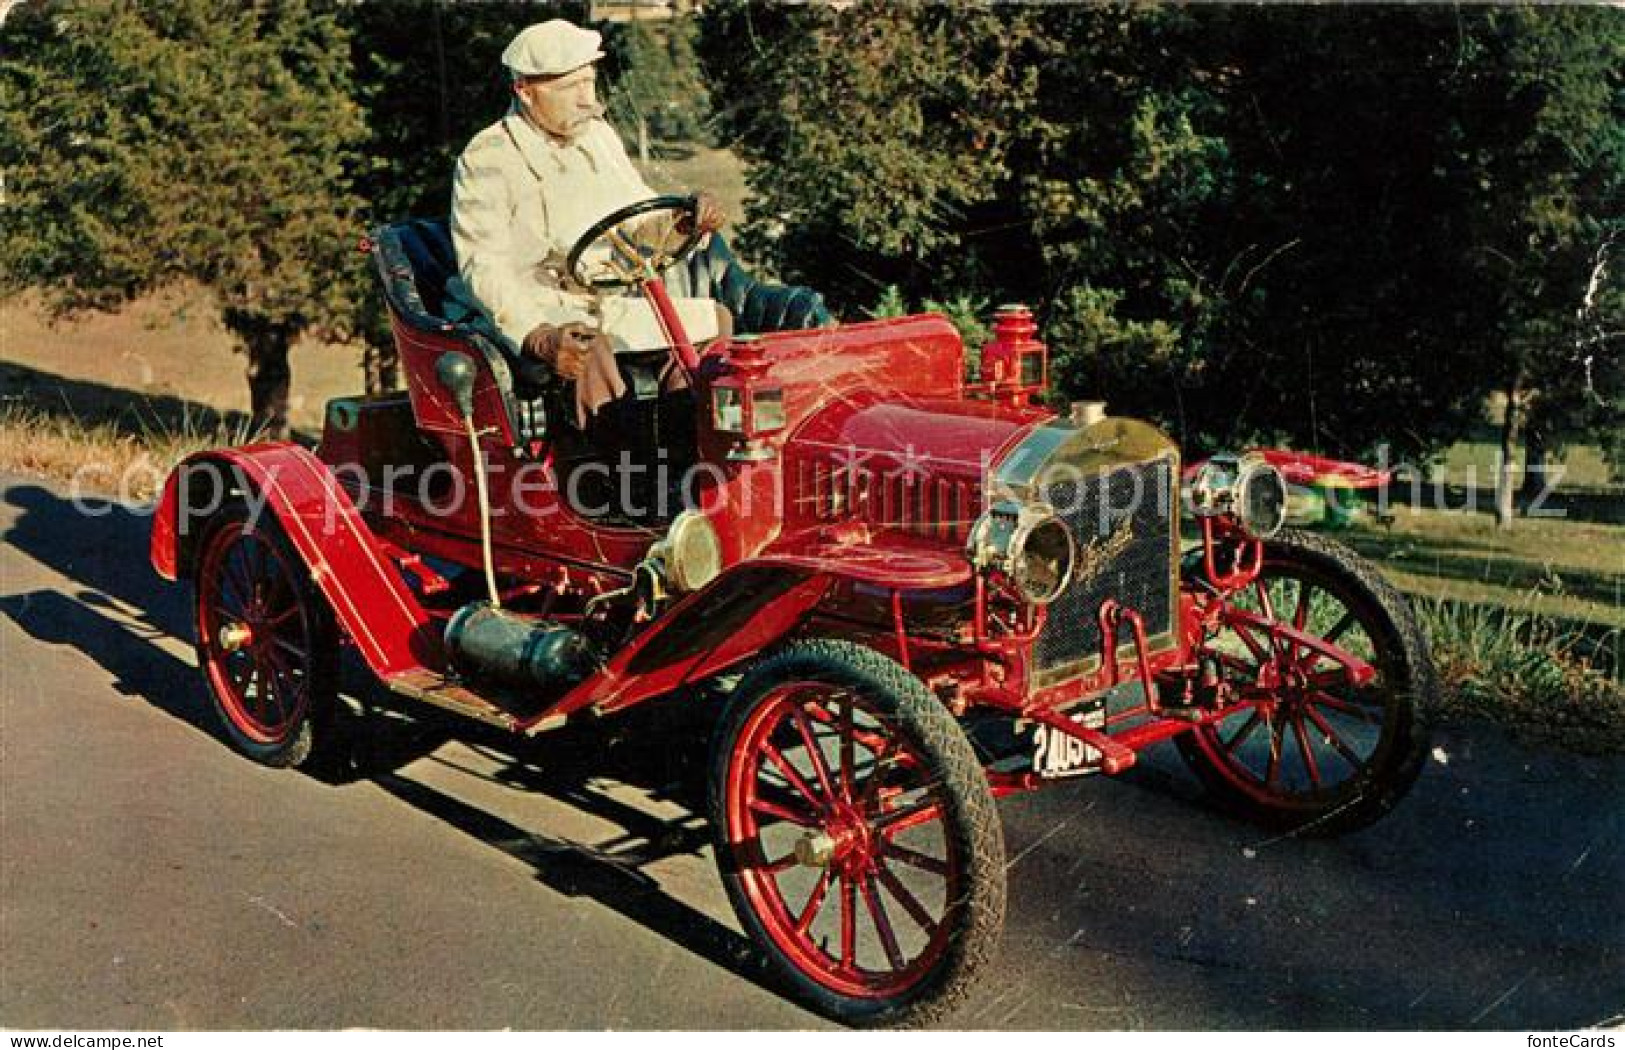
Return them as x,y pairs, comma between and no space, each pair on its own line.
973,823
307,744
1397,759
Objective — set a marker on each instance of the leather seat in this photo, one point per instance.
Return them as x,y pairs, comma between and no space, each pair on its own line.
757,306
418,259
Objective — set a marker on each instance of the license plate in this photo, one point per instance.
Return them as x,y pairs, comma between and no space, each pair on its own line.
1055,754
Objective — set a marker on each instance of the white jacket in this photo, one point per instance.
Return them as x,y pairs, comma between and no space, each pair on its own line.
520,201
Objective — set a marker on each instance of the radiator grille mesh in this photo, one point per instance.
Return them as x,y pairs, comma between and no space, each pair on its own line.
1121,520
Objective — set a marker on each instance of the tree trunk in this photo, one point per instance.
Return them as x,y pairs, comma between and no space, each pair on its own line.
1509,449
269,378
643,140
1534,467
382,367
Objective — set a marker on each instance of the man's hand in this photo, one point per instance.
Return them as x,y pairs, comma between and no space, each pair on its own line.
709,210
565,347
708,214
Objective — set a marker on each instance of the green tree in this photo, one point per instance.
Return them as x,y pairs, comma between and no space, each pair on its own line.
428,76
1275,223
656,91
148,143
1541,144
877,137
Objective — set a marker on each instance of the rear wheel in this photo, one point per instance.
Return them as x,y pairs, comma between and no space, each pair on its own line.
265,640
1308,747
856,834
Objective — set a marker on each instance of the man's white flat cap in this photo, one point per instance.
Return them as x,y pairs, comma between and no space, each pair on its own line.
552,48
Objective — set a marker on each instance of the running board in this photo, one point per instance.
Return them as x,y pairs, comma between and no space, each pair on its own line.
434,688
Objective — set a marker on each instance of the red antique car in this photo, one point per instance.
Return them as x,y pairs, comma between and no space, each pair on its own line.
917,594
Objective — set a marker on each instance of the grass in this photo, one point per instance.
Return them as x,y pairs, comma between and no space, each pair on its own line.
1542,678
1555,568
127,457
1579,468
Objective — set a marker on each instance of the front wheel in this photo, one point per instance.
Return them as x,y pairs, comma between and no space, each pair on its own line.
265,640
856,834
1308,747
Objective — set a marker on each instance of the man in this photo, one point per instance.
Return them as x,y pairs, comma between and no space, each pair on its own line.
527,187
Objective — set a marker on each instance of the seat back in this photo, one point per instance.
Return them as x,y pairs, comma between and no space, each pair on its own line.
714,272
415,259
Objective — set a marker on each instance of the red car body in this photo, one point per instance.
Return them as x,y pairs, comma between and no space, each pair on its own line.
851,499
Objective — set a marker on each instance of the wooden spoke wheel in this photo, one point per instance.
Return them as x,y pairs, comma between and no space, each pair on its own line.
856,834
265,640
1308,746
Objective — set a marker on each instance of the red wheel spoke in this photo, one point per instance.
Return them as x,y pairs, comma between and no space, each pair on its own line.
1272,772
767,807
249,568
1302,735
1266,606
1330,679
777,867
914,858
815,902
910,903
1300,615
1353,710
1332,738
899,820
790,774
254,690
871,741
292,650
257,556
268,656
871,788
1237,664
239,671
284,675
849,923
281,584
1241,734
239,577
888,936
283,617
1241,631
272,693
848,750
815,752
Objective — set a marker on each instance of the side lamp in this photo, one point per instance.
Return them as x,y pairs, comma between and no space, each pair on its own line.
744,402
1015,364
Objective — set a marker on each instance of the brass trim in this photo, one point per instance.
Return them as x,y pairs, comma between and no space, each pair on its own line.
1111,442
439,698
1107,444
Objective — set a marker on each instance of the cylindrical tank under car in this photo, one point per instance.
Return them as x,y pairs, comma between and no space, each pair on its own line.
505,648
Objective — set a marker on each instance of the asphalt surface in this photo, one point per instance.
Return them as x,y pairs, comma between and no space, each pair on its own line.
151,879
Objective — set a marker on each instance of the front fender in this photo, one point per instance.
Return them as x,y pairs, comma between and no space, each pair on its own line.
739,614
752,608
345,560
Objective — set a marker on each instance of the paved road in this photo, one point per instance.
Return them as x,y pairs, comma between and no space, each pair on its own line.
151,879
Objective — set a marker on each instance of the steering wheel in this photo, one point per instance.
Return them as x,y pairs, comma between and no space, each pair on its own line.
631,263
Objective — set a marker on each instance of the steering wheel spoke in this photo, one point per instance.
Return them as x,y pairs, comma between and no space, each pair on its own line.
641,262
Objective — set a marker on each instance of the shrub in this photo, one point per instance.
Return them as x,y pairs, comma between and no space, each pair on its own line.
1539,676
